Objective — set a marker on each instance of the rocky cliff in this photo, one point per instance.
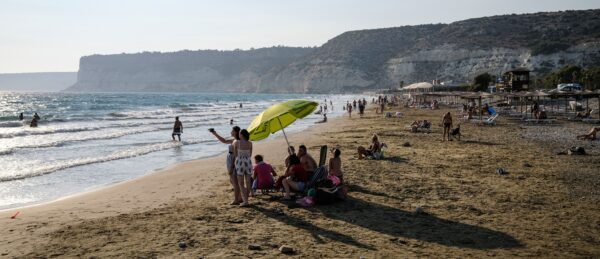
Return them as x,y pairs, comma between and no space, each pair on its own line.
363,60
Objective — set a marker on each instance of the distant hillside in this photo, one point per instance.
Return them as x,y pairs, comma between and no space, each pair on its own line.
203,70
42,82
365,59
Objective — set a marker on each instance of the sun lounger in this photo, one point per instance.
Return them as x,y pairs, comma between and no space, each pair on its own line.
489,121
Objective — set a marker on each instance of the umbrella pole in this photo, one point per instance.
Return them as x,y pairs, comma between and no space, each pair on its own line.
285,136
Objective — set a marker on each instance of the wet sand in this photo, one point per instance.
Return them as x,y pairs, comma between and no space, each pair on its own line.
546,206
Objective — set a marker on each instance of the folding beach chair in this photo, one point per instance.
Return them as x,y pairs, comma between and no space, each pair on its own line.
489,121
318,175
323,155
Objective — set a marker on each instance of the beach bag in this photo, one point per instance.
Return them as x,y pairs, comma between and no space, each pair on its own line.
334,179
331,195
342,192
326,196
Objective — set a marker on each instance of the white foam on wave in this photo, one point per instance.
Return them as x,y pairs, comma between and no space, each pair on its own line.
127,153
11,124
137,122
86,137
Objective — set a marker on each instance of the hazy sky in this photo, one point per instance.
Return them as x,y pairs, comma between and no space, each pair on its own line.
51,35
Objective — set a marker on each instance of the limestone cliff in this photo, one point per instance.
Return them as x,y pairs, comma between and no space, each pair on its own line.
363,60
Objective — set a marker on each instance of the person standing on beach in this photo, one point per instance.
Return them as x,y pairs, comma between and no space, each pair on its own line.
235,134
349,111
447,122
177,129
242,149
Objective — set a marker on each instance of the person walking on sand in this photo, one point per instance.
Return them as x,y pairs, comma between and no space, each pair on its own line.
177,129
229,162
242,150
447,122
349,111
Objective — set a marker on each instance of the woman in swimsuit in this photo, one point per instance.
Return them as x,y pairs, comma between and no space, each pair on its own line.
374,148
242,150
235,132
447,122
335,164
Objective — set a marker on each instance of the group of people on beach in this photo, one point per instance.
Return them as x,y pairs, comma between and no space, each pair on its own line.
354,105
247,179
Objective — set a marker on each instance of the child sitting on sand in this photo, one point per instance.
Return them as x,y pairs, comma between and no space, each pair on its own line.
263,175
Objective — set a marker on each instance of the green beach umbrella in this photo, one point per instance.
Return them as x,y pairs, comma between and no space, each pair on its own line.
279,116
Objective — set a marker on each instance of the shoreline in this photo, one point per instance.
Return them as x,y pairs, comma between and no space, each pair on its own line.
194,179
114,184
162,170
83,189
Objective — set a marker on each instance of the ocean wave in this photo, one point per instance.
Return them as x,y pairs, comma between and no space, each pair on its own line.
143,121
117,114
79,138
128,153
11,124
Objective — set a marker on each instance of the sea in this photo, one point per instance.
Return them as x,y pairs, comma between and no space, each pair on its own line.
85,141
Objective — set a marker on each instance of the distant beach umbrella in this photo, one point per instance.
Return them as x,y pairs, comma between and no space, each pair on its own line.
279,116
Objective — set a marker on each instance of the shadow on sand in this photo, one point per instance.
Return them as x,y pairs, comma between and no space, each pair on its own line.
316,231
395,159
487,143
398,223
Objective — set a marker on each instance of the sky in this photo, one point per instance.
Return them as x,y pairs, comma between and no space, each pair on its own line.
51,35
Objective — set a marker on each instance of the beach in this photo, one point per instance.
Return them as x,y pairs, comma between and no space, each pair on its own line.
89,140
547,205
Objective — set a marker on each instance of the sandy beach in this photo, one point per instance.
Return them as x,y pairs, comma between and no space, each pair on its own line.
546,206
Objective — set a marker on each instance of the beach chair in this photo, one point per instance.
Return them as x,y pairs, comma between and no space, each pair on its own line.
323,155
318,175
489,121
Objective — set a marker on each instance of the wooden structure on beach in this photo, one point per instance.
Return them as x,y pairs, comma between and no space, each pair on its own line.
516,80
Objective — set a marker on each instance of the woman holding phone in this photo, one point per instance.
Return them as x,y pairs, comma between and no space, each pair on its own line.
235,133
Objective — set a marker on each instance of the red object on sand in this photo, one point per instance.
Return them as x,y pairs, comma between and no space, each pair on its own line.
15,216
